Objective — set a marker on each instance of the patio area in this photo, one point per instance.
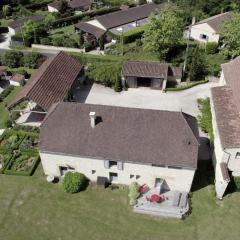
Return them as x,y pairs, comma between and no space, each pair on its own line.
174,204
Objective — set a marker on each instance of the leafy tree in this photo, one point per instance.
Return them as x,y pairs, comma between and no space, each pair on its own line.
101,43
197,64
6,10
164,31
62,6
48,21
74,182
31,60
13,59
231,36
81,38
32,32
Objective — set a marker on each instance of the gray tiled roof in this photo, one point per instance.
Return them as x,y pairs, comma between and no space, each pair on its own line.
150,69
231,71
227,117
217,21
122,17
89,28
127,134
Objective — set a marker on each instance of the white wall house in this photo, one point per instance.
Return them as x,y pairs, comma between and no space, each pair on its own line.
208,29
121,144
226,126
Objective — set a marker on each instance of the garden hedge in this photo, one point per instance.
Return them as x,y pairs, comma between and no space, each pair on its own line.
4,152
134,34
16,144
176,89
6,92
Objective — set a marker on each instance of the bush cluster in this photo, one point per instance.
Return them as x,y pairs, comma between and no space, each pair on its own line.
15,59
74,182
211,48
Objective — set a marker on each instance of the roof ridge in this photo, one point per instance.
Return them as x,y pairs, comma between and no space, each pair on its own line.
183,114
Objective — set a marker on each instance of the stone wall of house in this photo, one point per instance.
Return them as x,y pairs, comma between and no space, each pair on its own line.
177,179
205,29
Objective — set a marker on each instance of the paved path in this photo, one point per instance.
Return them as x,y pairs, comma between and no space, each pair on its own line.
151,99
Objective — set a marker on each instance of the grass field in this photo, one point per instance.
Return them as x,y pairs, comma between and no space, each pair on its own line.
3,110
33,209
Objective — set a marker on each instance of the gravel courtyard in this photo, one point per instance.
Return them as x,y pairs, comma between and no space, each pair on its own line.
146,98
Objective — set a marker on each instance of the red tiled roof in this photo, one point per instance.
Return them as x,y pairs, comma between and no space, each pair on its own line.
51,82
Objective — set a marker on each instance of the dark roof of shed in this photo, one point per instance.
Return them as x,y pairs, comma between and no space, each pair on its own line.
231,72
145,69
122,17
127,134
216,22
150,69
51,82
227,117
79,3
18,23
89,28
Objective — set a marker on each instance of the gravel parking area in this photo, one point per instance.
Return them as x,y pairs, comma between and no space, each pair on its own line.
185,101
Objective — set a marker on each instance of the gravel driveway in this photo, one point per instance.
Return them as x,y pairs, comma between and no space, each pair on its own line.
146,98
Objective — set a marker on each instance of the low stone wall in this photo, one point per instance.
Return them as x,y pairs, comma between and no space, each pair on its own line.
52,48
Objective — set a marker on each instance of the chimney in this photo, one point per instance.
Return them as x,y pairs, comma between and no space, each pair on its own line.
92,116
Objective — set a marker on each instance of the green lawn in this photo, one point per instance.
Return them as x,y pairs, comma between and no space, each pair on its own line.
33,209
3,110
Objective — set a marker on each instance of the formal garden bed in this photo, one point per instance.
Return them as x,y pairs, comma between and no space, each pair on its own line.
18,152
22,163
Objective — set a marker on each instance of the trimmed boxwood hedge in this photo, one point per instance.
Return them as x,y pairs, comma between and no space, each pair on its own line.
16,144
10,171
6,92
176,89
6,161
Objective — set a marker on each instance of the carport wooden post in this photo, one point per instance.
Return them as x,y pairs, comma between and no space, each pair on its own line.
164,85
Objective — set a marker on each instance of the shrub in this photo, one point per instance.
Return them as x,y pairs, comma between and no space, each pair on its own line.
237,183
23,72
118,85
69,43
133,193
58,41
31,59
45,41
211,48
134,34
74,182
205,118
105,73
13,59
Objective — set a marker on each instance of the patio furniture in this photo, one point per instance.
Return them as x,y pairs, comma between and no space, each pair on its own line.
144,189
156,198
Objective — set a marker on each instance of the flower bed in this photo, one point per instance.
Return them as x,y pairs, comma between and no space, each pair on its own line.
29,142
10,140
22,163
5,156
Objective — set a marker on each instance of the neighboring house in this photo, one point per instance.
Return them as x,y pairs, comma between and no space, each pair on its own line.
124,145
117,23
155,75
225,104
208,29
17,80
75,5
16,25
52,83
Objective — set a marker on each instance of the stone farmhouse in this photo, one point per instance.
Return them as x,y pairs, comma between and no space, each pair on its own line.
122,145
208,29
225,104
